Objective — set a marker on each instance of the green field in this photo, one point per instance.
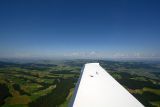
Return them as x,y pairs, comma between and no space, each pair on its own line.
52,84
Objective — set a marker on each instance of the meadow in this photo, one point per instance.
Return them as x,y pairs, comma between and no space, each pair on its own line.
52,84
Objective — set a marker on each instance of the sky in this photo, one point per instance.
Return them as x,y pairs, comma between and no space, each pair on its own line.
80,29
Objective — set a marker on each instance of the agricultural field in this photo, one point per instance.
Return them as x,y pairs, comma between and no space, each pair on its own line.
36,85
51,84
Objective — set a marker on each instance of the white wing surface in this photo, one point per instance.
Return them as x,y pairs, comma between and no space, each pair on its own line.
97,88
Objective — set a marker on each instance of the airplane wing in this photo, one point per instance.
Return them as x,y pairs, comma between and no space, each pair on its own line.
97,88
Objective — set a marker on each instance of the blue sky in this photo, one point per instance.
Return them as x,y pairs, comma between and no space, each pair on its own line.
80,28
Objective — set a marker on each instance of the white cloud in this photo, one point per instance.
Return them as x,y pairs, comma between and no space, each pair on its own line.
91,54
80,54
